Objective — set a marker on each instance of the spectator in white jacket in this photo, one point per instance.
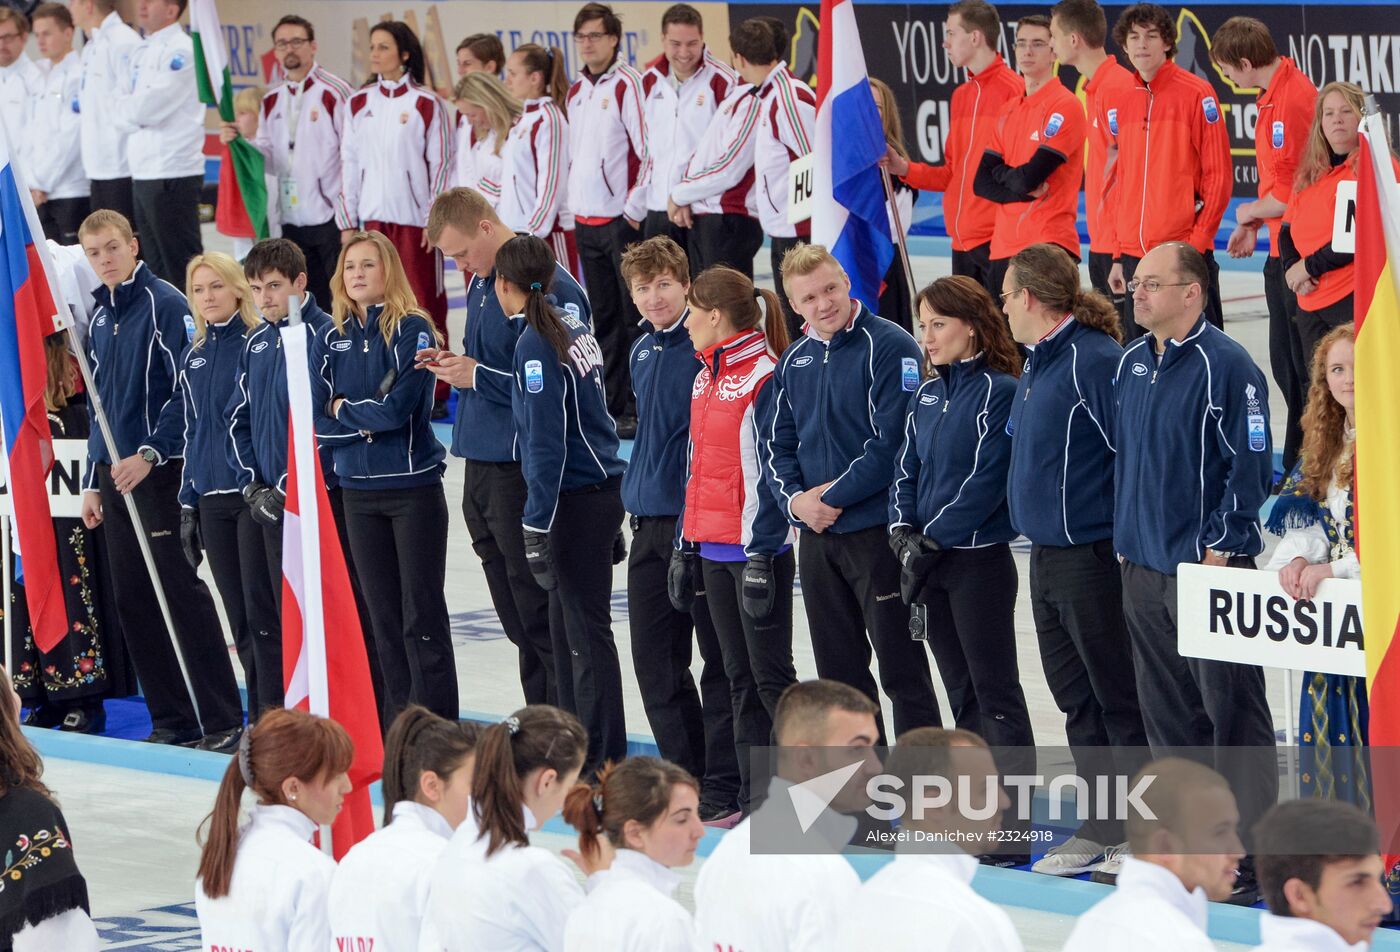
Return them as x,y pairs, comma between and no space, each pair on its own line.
379,894
106,73
19,76
57,181
535,160
1181,860
647,811
486,111
263,885
1321,873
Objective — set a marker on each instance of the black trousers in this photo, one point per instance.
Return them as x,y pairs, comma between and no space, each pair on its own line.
659,223
976,264
615,319
850,585
1100,264
692,729
114,194
1194,703
1315,325
167,216
233,542
1214,310
399,539
493,503
1077,604
897,301
757,655
196,621
586,668
777,248
60,218
725,239
321,245
996,275
1287,360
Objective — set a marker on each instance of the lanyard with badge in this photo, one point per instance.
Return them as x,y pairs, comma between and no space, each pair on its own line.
287,184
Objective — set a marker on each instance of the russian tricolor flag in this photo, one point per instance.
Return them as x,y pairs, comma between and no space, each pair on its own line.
848,202
26,317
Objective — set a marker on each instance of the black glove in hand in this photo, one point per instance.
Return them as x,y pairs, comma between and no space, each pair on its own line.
680,580
538,558
619,552
759,590
265,503
917,555
191,539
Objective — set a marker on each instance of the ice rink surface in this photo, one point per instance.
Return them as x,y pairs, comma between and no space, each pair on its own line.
134,830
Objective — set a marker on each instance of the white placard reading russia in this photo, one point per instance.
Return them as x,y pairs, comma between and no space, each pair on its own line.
65,481
1243,615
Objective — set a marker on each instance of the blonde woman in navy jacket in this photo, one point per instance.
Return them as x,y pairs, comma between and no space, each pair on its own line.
948,507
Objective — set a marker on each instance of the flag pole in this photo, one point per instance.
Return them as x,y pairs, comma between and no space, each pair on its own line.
901,247
64,321
8,608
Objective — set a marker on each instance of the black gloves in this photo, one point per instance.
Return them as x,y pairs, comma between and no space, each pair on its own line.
917,555
265,503
538,558
680,580
191,540
619,552
759,591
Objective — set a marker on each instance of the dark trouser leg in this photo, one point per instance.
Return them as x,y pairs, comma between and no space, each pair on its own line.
321,245
167,215
60,218
1172,710
1076,600
219,517
1315,325
262,604
661,649
1131,330
659,223
777,248
114,194
720,785
1215,307
191,608
725,239
996,275
376,673
614,318
1100,264
974,262
896,302
1286,361
581,546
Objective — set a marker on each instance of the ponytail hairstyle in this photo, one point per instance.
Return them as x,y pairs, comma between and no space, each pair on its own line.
722,288
535,737
284,743
549,63
526,262
638,789
405,41
20,764
961,297
1052,277
420,741
399,299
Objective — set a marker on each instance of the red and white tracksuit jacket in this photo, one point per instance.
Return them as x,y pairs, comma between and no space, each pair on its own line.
478,166
719,179
676,119
534,170
787,119
606,165
300,134
396,154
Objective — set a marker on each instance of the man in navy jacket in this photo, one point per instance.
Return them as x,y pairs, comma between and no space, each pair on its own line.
842,390
1193,467
136,342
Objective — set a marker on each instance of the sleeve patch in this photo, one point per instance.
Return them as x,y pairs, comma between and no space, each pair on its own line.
1212,110
534,376
1053,125
909,370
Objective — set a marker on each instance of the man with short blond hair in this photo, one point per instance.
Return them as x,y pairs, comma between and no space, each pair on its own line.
55,159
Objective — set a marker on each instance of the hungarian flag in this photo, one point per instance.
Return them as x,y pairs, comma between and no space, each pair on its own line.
1377,507
323,649
26,317
242,207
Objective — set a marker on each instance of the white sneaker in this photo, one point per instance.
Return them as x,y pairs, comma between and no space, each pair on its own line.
1107,871
1074,856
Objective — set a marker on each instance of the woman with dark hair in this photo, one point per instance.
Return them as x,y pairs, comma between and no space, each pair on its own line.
573,478
379,894
397,157
648,811
949,521
535,158
896,300
264,885
732,524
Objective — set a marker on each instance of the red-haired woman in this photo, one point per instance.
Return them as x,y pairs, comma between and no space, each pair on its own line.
264,885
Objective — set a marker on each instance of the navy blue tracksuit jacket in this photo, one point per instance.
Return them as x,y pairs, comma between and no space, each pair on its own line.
663,369
208,375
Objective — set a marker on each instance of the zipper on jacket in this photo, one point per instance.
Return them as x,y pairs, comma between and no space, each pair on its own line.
1146,153
821,408
603,168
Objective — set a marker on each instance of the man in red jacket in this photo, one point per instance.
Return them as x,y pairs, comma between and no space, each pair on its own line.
1174,170
970,38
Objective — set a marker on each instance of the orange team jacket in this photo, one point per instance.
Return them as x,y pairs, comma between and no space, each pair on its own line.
1173,155
969,219
1281,133
1050,118
1102,96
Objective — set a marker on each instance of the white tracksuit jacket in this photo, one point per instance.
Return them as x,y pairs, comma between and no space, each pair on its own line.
163,114
54,137
676,118
106,78
306,164
535,169
606,163
396,153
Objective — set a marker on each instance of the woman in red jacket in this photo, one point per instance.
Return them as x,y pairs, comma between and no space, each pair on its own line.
732,531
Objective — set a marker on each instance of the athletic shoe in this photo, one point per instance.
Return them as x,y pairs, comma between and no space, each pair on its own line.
224,742
720,818
1107,871
168,735
1074,856
84,720
1004,860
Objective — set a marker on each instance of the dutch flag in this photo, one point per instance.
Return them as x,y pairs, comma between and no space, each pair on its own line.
848,202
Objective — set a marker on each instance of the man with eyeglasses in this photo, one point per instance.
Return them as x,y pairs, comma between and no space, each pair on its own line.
19,75
1193,466
606,192
1034,162
302,123
106,70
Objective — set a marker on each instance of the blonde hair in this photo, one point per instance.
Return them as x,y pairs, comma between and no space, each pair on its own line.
399,299
248,99
231,273
802,260
103,219
1316,160
487,92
